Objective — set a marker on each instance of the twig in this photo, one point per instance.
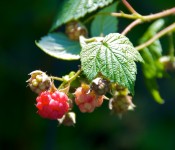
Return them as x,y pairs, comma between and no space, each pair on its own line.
130,26
168,29
123,15
130,8
56,78
159,15
147,17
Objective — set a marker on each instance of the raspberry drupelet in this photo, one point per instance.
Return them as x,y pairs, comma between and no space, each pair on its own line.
86,99
52,105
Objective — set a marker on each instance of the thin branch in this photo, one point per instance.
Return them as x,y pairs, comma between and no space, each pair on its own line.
170,28
159,15
130,26
130,8
74,76
147,17
56,78
123,15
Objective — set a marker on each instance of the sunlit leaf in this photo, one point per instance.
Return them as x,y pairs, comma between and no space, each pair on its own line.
59,46
74,9
113,57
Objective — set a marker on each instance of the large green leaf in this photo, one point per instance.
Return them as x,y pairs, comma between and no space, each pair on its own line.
152,68
113,57
104,24
59,46
74,9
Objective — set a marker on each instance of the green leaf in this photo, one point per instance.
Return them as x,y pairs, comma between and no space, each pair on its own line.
152,30
74,9
152,68
104,24
113,57
153,88
59,46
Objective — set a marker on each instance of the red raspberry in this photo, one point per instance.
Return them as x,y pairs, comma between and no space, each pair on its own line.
87,100
52,105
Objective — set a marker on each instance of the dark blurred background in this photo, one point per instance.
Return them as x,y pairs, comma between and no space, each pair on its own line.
150,126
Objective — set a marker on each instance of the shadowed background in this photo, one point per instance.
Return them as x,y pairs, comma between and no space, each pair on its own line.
150,126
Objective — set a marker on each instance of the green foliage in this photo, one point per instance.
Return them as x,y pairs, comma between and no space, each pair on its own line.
152,68
104,24
59,46
74,9
113,57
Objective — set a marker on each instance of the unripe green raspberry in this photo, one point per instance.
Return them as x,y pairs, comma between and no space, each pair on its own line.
100,86
120,104
39,81
74,29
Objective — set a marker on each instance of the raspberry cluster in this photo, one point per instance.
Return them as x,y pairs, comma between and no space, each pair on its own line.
86,99
52,105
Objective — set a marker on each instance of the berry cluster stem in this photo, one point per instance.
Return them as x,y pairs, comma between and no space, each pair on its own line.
56,78
71,79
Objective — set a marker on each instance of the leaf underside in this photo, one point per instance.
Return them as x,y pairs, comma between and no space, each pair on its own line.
114,57
59,46
74,9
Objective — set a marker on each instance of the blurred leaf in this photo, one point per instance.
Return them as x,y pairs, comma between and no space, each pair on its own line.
104,24
113,57
152,68
153,88
59,46
152,30
74,9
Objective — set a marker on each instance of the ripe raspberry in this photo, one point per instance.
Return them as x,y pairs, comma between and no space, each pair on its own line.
100,86
52,105
74,29
39,81
87,100
121,103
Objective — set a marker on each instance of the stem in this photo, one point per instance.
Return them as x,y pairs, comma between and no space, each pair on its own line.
170,28
70,80
130,26
56,78
147,17
130,8
75,76
159,15
171,47
123,15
